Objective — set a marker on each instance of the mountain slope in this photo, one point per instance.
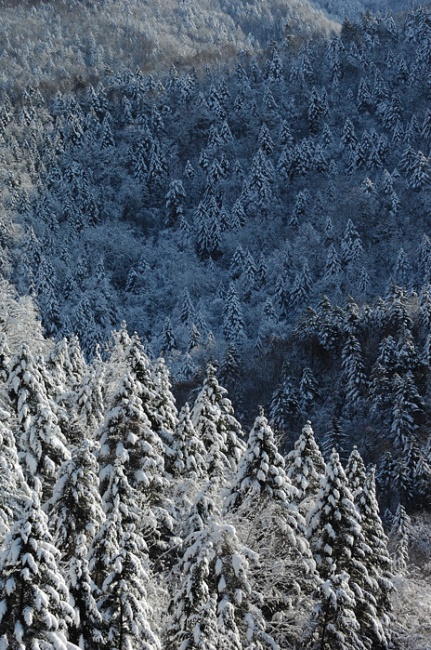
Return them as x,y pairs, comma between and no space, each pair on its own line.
63,44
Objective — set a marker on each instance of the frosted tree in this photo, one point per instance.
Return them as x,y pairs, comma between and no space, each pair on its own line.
126,434
13,486
399,540
90,396
4,357
128,441
153,387
166,410
336,438
41,444
355,471
86,630
119,563
305,468
35,611
378,562
335,625
215,424
284,409
262,502
213,605
123,602
233,320
261,470
143,371
308,391
339,548
75,508
189,450
76,514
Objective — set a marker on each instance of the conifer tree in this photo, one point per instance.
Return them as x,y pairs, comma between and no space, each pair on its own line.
128,441
215,424
213,604
378,562
35,610
305,468
86,630
13,486
261,470
399,540
340,549
75,508
123,602
189,450
41,444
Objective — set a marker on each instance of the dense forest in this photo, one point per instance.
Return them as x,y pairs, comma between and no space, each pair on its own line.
215,350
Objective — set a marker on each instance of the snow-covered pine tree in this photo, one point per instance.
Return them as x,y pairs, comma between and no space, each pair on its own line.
334,528
76,513
13,486
126,434
355,471
89,400
261,471
35,609
75,507
127,440
399,540
86,630
305,468
154,390
124,599
215,424
213,603
189,450
42,446
119,564
378,562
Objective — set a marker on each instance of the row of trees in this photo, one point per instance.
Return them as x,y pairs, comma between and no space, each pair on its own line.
126,524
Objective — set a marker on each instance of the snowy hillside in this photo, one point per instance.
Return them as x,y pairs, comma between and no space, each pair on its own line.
215,326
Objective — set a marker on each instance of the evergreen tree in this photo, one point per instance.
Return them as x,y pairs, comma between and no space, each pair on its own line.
35,611
41,444
214,603
13,487
86,631
379,564
340,549
261,470
353,373
233,320
123,602
305,468
189,450
215,424
399,539
75,508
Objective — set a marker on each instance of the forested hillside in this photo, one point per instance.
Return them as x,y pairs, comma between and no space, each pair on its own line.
127,524
241,191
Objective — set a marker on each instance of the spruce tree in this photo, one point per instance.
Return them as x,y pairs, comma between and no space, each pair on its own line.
215,423
213,605
340,549
305,468
261,470
35,609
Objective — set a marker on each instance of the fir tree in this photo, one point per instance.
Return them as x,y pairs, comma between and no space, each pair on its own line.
305,468
261,470
215,424
213,605
35,610
340,549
